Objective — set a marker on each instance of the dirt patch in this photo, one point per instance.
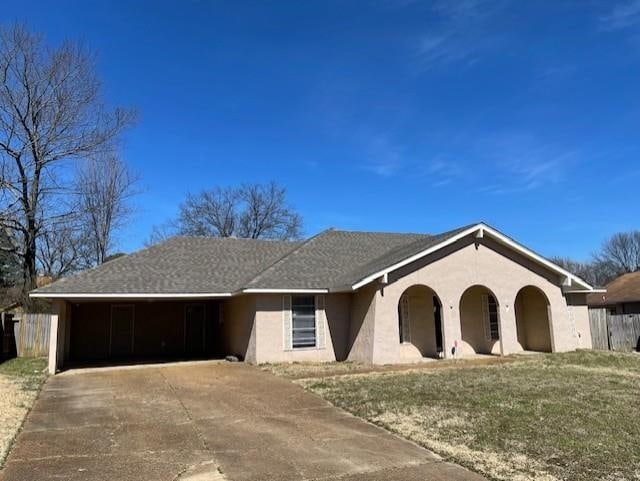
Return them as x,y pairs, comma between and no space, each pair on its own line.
317,370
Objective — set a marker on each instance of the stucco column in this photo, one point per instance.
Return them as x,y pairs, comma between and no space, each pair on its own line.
53,344
508,329
451,329
386,338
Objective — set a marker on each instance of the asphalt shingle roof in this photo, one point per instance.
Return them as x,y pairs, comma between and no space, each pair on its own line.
179,265
625,288
326,259
201,265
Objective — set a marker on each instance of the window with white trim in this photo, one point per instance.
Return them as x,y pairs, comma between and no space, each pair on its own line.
490,311
404,322
303,321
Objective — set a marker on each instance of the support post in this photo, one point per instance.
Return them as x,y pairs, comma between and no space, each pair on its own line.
53,345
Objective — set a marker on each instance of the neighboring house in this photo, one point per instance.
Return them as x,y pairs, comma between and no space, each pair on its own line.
622,295
357,296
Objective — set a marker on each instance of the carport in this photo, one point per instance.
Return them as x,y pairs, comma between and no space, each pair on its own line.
129,330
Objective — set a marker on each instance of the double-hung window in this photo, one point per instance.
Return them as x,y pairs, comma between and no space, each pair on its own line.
303,325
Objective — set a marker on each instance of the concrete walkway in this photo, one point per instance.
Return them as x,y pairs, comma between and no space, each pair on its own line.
204,422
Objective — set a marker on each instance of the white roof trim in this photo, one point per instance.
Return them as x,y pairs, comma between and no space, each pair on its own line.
71,295
414,257
285,291
584,291
485,229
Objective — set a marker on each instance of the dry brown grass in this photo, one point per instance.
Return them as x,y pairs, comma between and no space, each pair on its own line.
20,382
314,370
573,416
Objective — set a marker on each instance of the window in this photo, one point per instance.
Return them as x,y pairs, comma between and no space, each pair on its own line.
303,326
403,319
490,311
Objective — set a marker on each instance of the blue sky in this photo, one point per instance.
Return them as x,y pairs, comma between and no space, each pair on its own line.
389,115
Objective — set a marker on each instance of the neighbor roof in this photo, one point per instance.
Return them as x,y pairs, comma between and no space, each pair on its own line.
208,267
625,288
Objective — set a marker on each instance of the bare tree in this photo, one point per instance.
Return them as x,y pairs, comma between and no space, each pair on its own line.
50,113
251,211
622,250
63,248
105,186
267,214
161,232
211,213
584,270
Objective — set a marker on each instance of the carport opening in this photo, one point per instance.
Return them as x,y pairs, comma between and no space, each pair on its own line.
532,320
144,332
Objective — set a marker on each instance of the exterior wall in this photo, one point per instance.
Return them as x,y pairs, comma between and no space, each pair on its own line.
270,336
452,270
59,337
362,325
579,311
238,327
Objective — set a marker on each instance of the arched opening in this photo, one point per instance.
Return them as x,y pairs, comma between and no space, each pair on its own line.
420,320
479,321
532,319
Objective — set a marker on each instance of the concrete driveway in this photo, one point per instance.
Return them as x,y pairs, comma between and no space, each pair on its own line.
204,421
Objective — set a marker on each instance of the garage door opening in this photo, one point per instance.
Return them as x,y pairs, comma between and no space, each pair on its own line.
147,331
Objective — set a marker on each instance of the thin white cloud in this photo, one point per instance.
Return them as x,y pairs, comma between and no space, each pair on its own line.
624,15
461,33
520,162
442,172
383,158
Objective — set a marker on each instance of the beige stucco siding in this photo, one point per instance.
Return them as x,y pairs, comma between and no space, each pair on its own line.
269,327
238,327
449,273
578,309
473,338
362,324
532,316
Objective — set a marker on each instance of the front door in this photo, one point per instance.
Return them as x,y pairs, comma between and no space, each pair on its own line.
437,316
194,330
122,325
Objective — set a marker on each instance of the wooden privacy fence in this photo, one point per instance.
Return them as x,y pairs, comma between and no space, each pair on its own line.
32,337
615,332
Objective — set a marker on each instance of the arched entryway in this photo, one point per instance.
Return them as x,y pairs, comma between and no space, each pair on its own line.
420,320
532,319
479,321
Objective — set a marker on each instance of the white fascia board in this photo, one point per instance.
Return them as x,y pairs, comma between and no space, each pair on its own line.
485,229
197,295
415,257
285,291
584,291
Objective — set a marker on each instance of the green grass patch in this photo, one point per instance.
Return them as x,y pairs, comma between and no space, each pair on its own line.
573,416
30,372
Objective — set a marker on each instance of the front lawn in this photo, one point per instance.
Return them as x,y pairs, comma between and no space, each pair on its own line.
573,416
20,382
